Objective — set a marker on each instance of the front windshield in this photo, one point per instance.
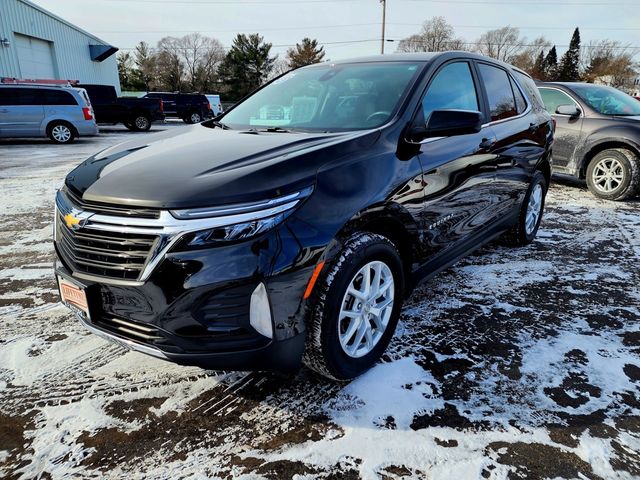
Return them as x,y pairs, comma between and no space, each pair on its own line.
327,98
607,100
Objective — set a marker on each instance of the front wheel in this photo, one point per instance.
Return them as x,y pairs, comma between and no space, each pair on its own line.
530,214
193,117
614,174
355,307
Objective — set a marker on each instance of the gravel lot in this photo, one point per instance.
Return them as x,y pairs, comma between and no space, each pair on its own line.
512,364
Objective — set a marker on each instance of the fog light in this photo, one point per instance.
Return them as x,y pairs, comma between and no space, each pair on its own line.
260,313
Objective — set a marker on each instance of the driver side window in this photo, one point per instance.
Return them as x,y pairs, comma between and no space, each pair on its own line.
452,88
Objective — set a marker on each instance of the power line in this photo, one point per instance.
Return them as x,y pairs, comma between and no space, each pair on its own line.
467,2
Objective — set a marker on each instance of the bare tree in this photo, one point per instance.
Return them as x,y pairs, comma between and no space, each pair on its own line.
526,58
609,62
201,56
170,63
502,43
436,35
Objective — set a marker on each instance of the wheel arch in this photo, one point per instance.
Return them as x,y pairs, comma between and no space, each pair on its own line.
51,123
602,146
394,224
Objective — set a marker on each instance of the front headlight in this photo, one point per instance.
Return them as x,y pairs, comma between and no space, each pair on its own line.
238,222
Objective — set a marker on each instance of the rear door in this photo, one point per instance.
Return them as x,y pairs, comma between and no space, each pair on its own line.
21,111
519,133
568,130
459,171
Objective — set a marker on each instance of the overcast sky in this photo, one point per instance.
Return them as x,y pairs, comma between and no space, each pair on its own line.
347,28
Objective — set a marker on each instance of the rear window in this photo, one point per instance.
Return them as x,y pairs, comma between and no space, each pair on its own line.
498,86
530,89
57,97
521,103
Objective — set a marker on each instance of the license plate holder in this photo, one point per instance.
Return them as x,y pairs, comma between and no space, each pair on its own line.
74,296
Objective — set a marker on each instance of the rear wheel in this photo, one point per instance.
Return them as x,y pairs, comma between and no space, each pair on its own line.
530,214
141,123
61,132
355,308
614,174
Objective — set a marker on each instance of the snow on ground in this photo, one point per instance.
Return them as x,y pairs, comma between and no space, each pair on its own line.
512,364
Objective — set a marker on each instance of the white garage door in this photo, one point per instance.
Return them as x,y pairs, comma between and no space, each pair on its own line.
35,57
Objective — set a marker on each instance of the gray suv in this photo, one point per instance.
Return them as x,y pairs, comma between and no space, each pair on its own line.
60,113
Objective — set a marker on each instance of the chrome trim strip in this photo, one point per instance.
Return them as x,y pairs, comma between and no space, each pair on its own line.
123,341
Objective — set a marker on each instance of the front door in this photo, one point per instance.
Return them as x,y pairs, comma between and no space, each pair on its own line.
568,130
459,172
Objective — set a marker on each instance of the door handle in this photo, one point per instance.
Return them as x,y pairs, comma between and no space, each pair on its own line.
487,143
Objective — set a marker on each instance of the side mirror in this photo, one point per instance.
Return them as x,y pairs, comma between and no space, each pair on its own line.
571,110
449,123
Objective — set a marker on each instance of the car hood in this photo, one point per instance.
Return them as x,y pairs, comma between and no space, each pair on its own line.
199,166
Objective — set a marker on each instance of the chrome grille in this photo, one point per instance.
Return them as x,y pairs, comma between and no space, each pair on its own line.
130,329
101,253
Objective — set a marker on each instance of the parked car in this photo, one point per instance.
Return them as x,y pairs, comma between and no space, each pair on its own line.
190,107
598,137
135,113
215,104
60,113
240,243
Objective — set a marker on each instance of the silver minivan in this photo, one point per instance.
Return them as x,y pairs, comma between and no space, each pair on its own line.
58,112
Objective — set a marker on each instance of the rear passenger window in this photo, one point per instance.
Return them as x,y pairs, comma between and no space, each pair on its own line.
452,88
57,97
498,85
521,103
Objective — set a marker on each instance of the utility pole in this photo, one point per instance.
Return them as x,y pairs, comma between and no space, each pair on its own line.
384,12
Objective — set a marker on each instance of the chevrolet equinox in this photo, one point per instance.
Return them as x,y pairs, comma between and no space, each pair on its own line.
291,228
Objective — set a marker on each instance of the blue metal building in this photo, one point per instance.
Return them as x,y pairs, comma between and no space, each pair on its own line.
36,44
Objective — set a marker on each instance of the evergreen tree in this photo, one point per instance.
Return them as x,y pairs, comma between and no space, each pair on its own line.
550,65
246,66
305,53
569,69
537,71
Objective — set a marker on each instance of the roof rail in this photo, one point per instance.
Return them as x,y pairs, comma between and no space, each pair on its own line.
38,81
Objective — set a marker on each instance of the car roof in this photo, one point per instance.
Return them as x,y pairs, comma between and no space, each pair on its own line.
566,84
35,85
423,57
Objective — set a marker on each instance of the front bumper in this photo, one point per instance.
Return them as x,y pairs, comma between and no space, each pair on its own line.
195,310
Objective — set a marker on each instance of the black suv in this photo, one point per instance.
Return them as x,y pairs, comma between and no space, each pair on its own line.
190,107
300,234
598,136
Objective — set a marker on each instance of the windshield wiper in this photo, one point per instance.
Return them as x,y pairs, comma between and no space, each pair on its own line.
221,125
276,130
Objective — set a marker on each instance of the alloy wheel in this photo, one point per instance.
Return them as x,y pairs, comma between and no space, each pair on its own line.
608,175
142,123
534,209
195,118
61,133
366,309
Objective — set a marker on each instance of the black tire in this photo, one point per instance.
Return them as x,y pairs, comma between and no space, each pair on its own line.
129,126
323,352
61,132
519,235
141,123
627,164
192,118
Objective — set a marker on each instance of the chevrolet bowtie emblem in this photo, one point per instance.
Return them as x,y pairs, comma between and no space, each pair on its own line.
73,223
